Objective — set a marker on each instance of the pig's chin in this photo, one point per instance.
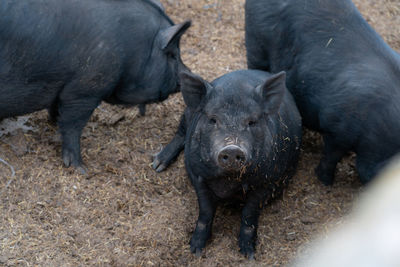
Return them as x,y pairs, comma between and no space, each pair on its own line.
224,187
233,171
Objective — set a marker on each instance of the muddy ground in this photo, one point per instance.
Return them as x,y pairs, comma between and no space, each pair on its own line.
122,212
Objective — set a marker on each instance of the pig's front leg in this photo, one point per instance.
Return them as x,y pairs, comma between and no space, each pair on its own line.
248,228
207,207
171,151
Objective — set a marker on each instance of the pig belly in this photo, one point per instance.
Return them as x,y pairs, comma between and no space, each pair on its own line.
25,98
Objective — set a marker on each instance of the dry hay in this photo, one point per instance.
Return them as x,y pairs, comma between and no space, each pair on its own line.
123,213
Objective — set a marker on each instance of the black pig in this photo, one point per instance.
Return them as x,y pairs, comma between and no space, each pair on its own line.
68,56
344,77
241,135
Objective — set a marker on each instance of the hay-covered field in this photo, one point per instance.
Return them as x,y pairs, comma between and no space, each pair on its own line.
124,213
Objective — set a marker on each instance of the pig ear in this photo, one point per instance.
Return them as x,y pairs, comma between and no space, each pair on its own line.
193,89
171,35
272,91
157,3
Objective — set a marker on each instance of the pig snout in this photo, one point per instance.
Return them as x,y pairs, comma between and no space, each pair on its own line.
231,157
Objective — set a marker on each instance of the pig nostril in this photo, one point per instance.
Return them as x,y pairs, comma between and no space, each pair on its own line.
231,157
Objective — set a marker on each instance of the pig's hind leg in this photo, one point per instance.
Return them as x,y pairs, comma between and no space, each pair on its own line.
142,109
370,163
73,113
333,152
171,151
53,112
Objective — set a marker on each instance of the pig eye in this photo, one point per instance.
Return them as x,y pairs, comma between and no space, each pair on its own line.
171,55
252,123
213,121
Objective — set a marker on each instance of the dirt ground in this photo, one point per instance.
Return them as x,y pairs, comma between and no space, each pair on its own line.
124,213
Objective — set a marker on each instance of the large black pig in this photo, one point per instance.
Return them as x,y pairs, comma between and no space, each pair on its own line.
241,135
344,77
69,55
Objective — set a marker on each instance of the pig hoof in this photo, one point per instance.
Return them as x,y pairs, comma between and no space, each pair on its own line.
250,256
325,181
247,248
197,245
52,121
248,253
82,169
323,177
69,159
196,251
157,165
142,109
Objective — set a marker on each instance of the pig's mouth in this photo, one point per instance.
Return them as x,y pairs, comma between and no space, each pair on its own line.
235,173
